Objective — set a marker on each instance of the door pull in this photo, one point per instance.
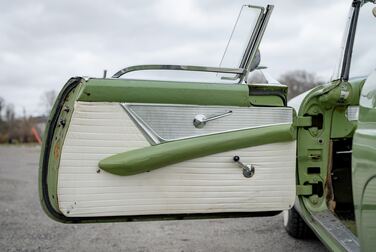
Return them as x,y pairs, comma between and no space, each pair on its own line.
200,120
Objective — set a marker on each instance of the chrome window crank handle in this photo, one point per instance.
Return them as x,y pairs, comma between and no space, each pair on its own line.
248,169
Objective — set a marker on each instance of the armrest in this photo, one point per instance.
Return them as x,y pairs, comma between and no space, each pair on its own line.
157,156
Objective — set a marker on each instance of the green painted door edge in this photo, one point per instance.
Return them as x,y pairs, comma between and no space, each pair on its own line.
153,157
53,134
168,92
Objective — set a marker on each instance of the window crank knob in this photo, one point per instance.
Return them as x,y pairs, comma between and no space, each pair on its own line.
248,169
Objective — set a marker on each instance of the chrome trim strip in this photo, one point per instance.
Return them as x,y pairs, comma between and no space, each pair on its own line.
179,68
255,41
149,134
249,44
162,123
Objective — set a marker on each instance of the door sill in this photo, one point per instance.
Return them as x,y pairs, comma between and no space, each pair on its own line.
337,230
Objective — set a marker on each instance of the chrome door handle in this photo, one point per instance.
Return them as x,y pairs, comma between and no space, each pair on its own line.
200,120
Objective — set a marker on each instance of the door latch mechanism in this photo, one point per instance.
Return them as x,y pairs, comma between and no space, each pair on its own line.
248,169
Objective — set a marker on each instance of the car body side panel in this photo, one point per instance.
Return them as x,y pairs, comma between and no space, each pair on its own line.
364,166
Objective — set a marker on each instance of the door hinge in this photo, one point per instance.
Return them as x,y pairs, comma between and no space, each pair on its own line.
303,121
304,190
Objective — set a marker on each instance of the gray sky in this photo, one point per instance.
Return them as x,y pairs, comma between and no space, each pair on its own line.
44,43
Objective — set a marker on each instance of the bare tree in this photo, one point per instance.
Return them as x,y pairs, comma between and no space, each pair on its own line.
9,113
2,105
10,117
48,99
299,81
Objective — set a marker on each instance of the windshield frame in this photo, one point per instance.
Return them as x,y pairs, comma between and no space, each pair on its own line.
342,70
250,51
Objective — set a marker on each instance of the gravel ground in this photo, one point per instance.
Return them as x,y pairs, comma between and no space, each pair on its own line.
24,226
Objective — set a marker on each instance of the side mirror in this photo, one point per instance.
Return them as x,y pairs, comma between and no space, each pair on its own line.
374,11
255,61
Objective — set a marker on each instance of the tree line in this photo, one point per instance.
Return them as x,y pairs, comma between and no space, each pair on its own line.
18,129
298,81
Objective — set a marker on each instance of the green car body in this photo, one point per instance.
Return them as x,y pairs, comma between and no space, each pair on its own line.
364,163
88,174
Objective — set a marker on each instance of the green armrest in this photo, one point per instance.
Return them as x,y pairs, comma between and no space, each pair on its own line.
157,156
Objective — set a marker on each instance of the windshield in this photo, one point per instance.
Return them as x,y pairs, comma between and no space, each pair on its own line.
364,52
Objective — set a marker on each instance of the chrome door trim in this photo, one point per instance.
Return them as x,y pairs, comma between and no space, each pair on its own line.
238,71
157,130
150,135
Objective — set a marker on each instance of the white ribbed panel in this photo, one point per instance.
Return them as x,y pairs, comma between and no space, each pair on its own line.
205,185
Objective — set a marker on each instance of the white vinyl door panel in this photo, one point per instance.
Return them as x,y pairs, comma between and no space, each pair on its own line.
210,184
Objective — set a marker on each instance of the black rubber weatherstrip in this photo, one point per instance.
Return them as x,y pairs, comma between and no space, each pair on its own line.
68,87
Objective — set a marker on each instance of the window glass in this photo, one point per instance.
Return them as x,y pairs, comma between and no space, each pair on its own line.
240,36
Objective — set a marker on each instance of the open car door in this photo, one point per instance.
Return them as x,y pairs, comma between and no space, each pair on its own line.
122,149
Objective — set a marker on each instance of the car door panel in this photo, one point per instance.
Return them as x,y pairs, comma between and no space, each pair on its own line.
196,179
210,184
